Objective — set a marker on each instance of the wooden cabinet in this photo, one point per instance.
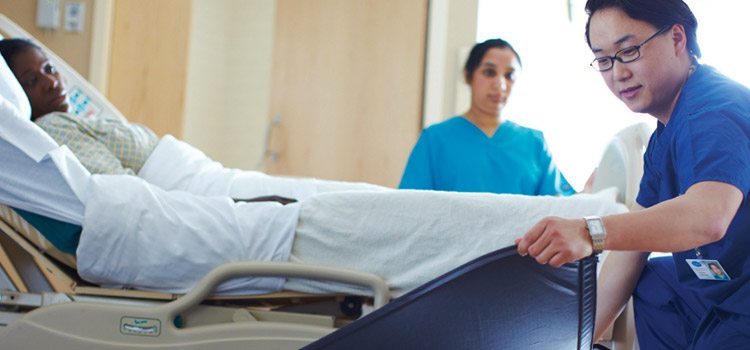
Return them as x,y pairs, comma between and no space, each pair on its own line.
347,86
148,62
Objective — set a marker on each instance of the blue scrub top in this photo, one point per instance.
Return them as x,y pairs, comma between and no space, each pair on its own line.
456,155
707,138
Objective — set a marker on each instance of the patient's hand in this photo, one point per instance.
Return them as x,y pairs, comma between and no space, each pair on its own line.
280,199
556,241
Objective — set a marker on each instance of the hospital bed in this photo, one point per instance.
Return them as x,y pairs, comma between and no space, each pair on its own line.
500,300
39,314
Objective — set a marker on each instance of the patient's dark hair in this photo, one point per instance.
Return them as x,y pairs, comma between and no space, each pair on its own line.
478,51
659,13
9,48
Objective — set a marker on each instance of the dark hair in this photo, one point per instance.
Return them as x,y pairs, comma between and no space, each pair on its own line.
478,51
659,13
9,48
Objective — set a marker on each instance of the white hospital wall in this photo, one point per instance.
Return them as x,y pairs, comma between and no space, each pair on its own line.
556,91
452,28
229,74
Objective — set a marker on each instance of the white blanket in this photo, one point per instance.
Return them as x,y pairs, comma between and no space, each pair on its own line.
136,235
176,165
167,232
411,237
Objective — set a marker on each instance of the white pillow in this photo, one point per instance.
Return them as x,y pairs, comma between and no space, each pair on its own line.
37,175
16,126
11,92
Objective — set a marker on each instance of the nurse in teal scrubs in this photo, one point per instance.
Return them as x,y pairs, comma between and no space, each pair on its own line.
479,151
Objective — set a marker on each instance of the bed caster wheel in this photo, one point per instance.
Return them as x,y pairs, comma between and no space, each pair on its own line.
351,306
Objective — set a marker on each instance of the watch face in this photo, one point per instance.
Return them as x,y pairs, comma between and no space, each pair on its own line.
595,226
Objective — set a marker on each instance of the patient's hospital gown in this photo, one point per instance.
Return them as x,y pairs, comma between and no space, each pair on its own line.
104,146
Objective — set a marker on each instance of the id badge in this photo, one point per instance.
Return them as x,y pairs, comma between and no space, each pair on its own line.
708,269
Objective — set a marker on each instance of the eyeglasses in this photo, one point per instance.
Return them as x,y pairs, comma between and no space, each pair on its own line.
626,55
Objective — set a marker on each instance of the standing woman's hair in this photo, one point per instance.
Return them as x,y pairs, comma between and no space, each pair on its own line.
478,51
9,48
659,13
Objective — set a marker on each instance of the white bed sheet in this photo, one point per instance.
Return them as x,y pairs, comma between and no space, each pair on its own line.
143,237
411,237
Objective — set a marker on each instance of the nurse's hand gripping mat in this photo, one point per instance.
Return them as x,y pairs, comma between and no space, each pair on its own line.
498,301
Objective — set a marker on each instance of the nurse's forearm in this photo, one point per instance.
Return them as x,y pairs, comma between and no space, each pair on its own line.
700,216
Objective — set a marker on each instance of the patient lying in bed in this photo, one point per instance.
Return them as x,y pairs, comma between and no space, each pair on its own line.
104,146
113,146
166,228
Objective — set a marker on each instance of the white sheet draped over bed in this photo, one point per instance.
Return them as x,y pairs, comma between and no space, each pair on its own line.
147,237
410,237
139,236
167,229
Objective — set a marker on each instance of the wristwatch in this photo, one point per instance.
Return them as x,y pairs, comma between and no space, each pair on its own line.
596,229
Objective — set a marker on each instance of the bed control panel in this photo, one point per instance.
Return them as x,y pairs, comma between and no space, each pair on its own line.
148,327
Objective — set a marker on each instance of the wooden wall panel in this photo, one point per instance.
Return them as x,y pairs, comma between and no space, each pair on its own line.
149,53
347,84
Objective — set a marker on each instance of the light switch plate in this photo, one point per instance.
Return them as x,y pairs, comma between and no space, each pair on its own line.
75,14
48,14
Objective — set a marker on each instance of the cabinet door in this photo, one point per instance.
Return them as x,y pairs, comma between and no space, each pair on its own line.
347,88
148,65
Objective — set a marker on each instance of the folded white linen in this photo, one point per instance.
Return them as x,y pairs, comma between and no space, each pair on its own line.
136,235
410,237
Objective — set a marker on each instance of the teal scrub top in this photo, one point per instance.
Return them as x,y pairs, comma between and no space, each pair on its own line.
455,155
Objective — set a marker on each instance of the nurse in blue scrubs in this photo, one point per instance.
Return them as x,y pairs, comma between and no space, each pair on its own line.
693,195
479,151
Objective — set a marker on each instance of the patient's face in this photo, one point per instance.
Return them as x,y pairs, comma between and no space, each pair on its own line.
41,81
492,81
